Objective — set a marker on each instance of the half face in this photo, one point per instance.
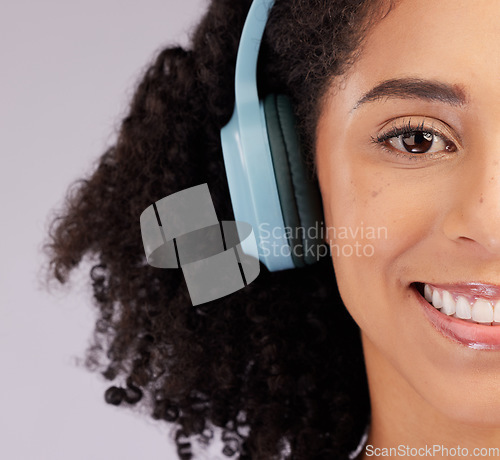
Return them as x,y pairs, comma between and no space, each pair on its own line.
408,159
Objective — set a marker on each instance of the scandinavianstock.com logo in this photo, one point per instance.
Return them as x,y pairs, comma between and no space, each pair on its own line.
435,450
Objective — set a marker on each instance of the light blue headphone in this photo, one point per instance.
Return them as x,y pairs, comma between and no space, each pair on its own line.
266,171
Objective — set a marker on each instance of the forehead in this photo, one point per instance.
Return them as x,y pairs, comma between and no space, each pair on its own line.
456,41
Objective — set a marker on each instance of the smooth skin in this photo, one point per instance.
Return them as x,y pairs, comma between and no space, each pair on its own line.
440,209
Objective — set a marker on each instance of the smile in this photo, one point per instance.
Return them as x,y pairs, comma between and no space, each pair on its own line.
465,313
464,305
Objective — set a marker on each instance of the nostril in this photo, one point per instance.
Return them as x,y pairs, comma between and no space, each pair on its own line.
466,239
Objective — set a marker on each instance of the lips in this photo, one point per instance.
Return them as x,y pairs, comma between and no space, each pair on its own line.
468,314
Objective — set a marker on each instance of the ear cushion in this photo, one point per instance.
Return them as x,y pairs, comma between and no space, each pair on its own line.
299,194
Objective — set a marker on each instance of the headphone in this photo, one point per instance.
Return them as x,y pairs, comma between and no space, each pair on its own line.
266,171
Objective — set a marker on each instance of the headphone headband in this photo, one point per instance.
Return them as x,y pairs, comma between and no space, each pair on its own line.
247,156
248,53
265,168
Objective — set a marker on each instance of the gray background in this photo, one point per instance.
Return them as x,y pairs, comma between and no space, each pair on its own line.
68,70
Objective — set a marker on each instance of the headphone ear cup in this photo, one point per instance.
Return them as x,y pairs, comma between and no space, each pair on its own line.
299,194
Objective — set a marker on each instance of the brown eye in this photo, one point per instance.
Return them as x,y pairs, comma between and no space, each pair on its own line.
417,142
420,142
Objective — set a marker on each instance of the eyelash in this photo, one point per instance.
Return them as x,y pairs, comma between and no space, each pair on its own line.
406,129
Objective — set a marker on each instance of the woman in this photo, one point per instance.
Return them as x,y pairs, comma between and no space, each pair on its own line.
396,107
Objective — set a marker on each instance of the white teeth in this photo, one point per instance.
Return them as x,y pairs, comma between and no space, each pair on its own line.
428,293
496,312
448,304
463,308
482,311
436,299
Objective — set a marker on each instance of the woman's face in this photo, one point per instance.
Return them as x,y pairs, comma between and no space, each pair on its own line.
409,172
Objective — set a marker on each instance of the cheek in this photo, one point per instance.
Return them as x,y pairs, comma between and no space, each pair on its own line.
377,226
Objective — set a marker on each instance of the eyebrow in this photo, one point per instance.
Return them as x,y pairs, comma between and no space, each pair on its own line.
415,88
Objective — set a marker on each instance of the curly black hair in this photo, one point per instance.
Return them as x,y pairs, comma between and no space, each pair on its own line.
278,365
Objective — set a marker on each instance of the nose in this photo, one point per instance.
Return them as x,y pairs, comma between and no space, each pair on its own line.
473,219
